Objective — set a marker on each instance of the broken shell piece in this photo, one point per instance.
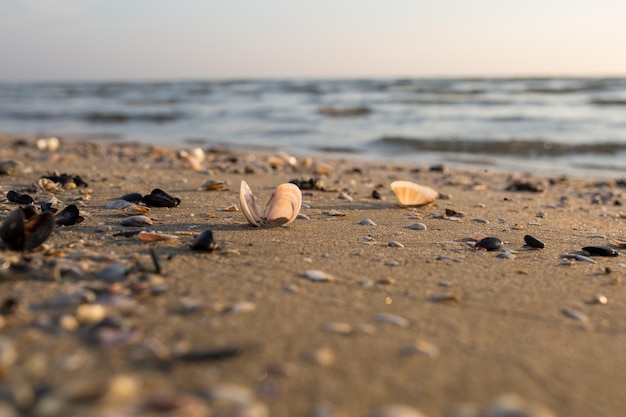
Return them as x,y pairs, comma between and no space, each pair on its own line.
137,221
282,208
24,234
213,185
411,194
155,236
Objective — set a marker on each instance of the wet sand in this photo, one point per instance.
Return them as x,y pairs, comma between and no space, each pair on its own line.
413,317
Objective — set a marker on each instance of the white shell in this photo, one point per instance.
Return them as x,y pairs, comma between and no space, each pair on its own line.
411,194
282,209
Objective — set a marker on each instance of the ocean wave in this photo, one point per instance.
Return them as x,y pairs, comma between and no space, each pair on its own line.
512,147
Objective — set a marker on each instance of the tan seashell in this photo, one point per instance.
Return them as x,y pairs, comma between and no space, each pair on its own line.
154,236
282,208
134,210
411,194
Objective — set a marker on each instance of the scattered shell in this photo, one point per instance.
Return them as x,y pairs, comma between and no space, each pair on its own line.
137,221
421,347
118,204
576,315
282,208
159,198
438,298
489,244
69,216
335,213
345,196
204,242
21,234
397,410
479,220
337,327
155,236
8,167
395,244
533,242
316,275
417,226
622,214
600,299
46,185
111,273
578,257
620,243
14,197
506,255
241,307
134,210
322,356
600,251
367,222
392,319
411,194
90,313
213,185
50,144
511,405
131,197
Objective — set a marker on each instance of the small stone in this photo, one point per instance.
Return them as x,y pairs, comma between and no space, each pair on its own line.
600,299
367,222
90,313
511,405
241,307
111,273
417,226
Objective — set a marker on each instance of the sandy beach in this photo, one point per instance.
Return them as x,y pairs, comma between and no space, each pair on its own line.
97,321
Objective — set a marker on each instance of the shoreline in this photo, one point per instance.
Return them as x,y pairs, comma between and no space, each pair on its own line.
413,317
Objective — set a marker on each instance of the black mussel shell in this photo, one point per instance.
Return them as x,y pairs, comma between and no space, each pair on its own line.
69,216
48,207
204,242
376,195
20,234
65,178
159,198
533,242
12,229
312,183
29,211
131,198
600,251
37,230
490,244
14,197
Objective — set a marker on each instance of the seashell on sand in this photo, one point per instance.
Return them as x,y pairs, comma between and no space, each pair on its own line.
282,209
411,194
316,275
392,319
155,237
137,221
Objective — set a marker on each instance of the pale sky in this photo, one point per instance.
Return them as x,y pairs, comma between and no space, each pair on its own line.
181,39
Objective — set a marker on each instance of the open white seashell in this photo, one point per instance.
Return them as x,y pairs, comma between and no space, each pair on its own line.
411,194
282,209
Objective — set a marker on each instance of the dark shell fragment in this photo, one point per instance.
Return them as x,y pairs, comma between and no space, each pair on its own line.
204,242
313,183
533,242
48,207
159,198
131,197
527,186
65,179
29,211
14,197
69,216
21,234
600,251
210,354
489,244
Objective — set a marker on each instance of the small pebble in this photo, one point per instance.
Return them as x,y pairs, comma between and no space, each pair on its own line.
137,221
395,244
600,299
90,313
367,222
241,307
322,356
337,327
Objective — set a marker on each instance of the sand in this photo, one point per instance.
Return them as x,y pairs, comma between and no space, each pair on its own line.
428,321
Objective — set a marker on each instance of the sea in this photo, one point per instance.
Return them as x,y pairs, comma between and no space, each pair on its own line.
560,125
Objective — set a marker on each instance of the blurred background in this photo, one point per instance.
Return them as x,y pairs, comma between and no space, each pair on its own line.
539,85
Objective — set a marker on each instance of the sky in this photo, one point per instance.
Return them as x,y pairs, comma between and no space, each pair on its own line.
211,39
